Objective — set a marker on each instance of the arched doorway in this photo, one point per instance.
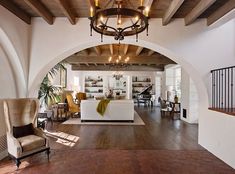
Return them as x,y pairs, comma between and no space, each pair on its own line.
202,93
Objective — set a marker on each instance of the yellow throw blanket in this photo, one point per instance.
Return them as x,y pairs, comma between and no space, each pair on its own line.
101,108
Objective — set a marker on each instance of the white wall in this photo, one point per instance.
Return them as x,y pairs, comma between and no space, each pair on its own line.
8,85
189,98
15,37
197,48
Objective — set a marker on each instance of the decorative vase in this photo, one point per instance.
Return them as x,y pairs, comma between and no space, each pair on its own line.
176,99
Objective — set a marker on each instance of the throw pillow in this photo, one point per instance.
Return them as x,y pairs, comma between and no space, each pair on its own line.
22,131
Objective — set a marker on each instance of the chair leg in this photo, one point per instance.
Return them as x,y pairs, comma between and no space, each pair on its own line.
17,161
48,154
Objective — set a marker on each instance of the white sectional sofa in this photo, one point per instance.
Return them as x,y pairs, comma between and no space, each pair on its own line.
117,110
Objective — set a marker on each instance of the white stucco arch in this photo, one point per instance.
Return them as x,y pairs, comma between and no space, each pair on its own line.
166,52
15,63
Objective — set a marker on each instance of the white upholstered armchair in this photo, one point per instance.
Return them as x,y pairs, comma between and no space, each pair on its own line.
23,138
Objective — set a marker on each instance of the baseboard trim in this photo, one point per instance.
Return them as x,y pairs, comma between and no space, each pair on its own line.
212,151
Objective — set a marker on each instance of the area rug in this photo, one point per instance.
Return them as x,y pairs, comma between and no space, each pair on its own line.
137,122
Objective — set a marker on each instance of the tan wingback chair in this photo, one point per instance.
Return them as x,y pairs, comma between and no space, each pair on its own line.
18,113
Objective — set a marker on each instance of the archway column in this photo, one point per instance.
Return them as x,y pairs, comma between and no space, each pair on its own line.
15,64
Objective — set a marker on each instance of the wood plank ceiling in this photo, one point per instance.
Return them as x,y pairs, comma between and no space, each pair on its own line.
97,58
190,10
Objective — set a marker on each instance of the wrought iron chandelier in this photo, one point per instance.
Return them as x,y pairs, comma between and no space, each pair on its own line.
118,18
118,61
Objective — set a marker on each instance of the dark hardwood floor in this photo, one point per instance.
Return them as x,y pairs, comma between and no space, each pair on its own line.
157,133
161,146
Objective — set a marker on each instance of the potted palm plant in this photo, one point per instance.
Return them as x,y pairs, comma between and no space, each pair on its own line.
49,93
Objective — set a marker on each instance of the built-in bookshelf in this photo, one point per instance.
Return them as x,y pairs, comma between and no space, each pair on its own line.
93,86
139,83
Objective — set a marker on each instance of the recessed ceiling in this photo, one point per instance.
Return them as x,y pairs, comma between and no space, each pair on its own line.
97,58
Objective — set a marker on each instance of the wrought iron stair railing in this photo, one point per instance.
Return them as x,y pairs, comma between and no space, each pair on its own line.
223,90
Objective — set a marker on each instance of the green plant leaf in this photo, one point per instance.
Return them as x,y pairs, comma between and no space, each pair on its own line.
48,93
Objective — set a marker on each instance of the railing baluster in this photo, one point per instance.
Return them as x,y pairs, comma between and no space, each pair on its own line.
232,88
225,88
219,90
213,92
228,87
222,88
212,89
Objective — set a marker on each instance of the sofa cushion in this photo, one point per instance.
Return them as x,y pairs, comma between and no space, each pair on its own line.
31,142
22,131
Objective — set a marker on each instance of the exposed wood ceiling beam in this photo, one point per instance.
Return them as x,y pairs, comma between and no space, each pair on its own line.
39,8
91,3
151,52
138,51
13,8
86,52
110,68
111,49
227,7
67,11
155,59
125,50
198,10
97,50
174,6
148,3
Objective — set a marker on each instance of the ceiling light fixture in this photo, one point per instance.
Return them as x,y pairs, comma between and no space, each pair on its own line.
112,19
118,61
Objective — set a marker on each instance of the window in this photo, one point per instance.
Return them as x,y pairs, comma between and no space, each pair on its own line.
173,82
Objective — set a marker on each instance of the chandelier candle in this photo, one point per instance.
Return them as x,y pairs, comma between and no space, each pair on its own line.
91,12
97,3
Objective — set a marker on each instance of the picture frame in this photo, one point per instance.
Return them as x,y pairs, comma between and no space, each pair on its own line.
63,78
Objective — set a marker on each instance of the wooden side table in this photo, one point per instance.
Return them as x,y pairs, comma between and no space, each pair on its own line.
60,111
